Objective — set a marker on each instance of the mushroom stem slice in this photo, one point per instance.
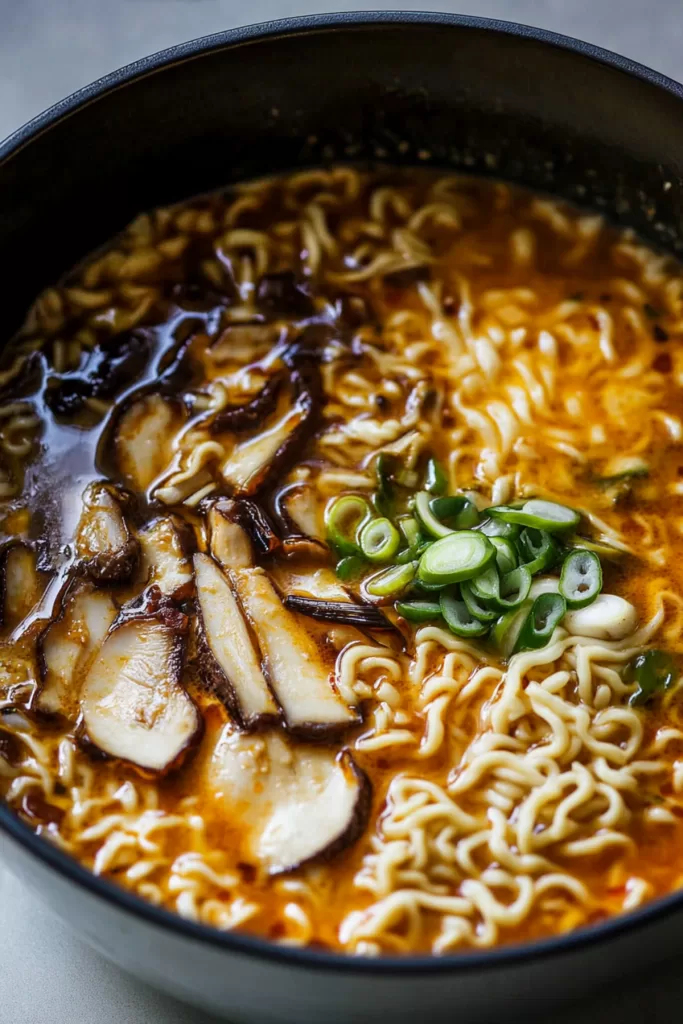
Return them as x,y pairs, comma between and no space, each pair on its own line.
22,586
107,551
294,665
165,543
301,803
132,705
144,439
68,645
229,662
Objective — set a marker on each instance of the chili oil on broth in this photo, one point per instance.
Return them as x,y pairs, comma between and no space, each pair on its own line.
531,349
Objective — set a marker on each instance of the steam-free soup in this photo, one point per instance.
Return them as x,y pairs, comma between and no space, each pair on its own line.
341,563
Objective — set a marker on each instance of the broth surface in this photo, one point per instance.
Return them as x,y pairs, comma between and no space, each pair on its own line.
534,352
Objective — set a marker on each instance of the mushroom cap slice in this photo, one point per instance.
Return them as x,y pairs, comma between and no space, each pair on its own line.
253,462
298,802
229,663
295,667
107,551
67,646
22,585
300,512
132,705
230,543
144,439
164,545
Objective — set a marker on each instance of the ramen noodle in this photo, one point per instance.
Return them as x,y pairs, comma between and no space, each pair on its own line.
342,522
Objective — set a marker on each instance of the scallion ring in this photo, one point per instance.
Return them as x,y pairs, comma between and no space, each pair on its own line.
506,556
379,540
540,514
581,578
505,633
344,518
390,582
475,605
460,556
436,481
498,528
428,521
486,585
350,567
514,587
410,529
458,617
539,549
419,611
546,613
456,511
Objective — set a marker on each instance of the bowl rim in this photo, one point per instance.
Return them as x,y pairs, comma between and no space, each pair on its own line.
461,962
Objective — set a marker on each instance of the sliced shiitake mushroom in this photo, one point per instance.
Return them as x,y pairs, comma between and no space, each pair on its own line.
68,645
237,529
143,440
109,366
22,584
295,667
299,513
300,802
346,613
253,412
230,544
165,545
133,706
229,662
107,551
253,462
283,294
244,342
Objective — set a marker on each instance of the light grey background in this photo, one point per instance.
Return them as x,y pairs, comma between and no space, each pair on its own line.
49,48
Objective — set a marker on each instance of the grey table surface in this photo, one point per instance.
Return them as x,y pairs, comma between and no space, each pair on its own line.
49,48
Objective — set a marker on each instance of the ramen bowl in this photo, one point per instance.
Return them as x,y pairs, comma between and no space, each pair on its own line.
477,97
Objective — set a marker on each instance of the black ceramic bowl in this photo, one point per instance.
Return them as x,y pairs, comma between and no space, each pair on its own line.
486,97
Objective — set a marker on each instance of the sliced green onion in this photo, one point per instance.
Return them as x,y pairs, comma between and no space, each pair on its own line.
350,567
390,582
344,518
413,554
407,478
436,481
379,540
544,585
458,617
506,556
505,633
652,671
428,521
460,556
581,578
497,528
385,465
410,529
456,511
475,605
546,612
419,611
486,585
514,587
542,515
602,548
539,548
